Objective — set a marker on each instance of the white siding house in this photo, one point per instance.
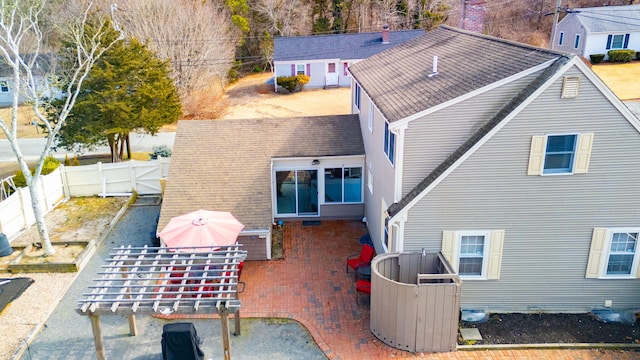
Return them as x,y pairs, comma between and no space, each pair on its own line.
597,30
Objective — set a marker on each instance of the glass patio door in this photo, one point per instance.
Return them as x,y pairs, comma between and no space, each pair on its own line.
297,192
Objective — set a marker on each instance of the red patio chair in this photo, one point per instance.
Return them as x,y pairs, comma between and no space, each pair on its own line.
362,286
364,258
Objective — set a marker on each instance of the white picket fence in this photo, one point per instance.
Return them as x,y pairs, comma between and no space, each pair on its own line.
118,179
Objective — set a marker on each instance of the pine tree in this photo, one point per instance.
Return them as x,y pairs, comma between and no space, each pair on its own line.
129,89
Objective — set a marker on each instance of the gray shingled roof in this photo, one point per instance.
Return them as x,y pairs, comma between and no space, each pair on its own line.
337,46
398,83
609,18
497,118
225,165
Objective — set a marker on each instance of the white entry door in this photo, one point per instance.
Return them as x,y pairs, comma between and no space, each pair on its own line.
331,74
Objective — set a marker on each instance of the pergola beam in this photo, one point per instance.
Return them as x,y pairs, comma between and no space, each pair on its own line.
149,280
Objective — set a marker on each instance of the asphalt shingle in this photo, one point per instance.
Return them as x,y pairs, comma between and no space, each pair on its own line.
609,18
225,165
337,46
399,82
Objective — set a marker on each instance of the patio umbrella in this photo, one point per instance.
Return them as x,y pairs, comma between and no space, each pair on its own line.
201,228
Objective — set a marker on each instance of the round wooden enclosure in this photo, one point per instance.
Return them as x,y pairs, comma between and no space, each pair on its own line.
415,301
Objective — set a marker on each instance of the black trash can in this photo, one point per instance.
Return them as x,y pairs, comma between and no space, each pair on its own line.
180,341
5,247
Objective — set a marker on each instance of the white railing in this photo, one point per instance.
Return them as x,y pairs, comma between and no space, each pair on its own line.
118,179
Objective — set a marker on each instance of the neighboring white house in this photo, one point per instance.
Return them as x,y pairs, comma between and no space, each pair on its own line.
597,30
40,73
325,58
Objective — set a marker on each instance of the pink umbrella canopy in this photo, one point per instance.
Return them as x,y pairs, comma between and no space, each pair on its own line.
201,228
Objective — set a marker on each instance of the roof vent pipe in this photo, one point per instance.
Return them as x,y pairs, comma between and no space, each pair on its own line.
385,34
434,71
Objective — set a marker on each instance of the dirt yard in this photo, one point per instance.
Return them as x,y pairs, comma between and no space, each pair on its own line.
251,97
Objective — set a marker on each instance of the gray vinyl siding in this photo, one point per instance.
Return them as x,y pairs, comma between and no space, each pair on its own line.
377,163
571,27
429,140
548,220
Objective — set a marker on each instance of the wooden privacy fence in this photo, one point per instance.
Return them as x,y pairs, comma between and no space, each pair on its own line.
118,179
415,302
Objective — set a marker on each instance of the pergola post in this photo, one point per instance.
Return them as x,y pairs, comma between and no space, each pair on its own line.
97,337
224,319
133,328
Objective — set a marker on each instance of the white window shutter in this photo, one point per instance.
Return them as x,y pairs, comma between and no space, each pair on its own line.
449,249
598,241
583,153
495,254
536,154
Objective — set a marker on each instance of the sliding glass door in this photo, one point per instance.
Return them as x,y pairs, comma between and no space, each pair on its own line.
297,192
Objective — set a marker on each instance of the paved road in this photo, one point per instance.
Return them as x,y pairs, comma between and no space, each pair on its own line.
31,148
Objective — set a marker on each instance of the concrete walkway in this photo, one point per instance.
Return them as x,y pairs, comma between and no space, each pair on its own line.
309,286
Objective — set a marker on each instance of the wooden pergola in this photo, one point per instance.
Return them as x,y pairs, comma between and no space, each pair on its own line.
161,280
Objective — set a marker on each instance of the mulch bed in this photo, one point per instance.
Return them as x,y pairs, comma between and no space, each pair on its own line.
553,328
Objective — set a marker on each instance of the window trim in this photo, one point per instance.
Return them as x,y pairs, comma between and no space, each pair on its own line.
343,168
304,67
485,255
613,41
389,145
606,253
357,95
573,155
370,181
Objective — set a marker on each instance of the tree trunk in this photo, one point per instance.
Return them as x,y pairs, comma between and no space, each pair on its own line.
128,147
37,202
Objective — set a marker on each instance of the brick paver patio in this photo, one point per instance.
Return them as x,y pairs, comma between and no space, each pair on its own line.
310,286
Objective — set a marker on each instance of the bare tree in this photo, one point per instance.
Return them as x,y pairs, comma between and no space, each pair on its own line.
196,36
284,17
21,43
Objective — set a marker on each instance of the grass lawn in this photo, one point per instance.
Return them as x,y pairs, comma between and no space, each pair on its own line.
623,79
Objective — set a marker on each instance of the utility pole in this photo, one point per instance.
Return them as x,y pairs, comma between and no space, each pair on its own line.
556,14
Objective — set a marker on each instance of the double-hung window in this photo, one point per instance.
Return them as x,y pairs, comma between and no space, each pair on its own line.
300,69
560,39
614,253
559,154
577,42
472,254
618,41
4,87
389,143
370,117
475,255
356,96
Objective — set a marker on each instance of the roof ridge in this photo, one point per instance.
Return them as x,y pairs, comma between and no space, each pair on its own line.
498,117
351,33
501,40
